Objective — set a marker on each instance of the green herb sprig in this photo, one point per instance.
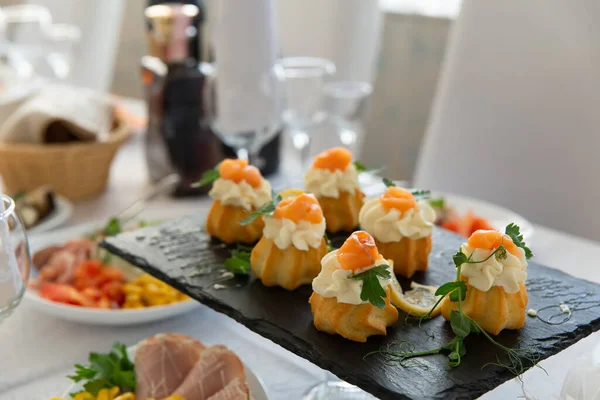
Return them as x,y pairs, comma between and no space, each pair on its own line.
328,242
360,167
462,325
239,261
113,227
209,176
438,203
372,291
106,371
418,194
266,209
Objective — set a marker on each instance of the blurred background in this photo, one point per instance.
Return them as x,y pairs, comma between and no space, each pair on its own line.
403,83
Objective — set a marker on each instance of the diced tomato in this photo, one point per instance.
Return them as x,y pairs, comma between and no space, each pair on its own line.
88,268
110,274
104,302
92,293
451,225
114,291
64,294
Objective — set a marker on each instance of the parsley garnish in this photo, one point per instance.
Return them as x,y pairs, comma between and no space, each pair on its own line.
437,203
239,262
388,183
113,227
372,291
360,167
265,209
209,176
420,194
106,371
514,232
462,325
329,245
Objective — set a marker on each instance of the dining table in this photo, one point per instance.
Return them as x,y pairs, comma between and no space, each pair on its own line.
38,351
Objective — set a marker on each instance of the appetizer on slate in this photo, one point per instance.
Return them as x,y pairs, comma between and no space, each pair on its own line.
493,268
293,243
402,228
333,178
238,190
352,292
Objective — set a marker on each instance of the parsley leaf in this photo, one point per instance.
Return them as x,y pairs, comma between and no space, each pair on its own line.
329,245
239,262
420,194
360,167
372,291
514,232
437,203
113,227
209,176
265,209
450,287
387,182
459,258
106,371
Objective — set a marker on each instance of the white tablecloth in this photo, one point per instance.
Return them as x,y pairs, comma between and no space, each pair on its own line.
37,351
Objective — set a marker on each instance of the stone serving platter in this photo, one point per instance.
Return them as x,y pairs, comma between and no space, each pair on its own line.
182,254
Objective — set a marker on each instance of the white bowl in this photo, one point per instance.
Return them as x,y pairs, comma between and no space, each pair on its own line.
92,316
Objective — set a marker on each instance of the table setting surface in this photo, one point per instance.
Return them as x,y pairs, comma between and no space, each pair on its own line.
37,351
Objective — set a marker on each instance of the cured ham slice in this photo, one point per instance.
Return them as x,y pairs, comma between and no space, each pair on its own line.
214,371
235,390
163,362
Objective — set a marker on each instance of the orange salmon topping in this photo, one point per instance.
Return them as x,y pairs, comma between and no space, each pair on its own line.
303,207
491,240
332,159
398,198
238,170
358,251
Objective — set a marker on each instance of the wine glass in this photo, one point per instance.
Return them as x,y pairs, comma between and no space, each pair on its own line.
245,115
62,40
348,105
15,260
25,26
305,78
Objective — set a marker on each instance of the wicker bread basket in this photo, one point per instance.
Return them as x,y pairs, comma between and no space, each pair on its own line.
74,170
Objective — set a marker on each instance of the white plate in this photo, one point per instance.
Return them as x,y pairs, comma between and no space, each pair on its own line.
61,214
497,216
90,315
255,384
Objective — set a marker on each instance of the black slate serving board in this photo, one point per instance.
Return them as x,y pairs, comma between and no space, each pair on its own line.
183,255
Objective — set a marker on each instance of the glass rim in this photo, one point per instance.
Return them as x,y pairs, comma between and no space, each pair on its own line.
8,210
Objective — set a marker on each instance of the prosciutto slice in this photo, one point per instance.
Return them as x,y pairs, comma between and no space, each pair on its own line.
163,362
235,390
214,371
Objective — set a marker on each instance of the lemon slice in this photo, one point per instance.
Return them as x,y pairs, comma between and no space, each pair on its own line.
418,300
395,289
290,193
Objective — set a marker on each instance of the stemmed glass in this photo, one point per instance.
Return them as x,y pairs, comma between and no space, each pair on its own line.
305,78
62,40
348,104
25,28
15,260
245,118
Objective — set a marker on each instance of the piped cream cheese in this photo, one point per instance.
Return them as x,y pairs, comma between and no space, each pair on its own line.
327,183
303,235
507,273
333,281
241,194
391,225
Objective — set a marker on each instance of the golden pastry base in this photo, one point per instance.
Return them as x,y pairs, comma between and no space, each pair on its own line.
341,214
223,222
409,255
354,322
288,268
493,310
